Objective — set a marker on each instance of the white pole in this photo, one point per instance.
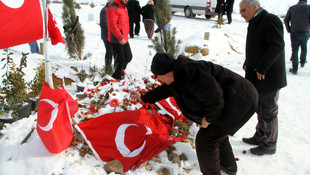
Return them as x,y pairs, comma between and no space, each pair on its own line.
48,73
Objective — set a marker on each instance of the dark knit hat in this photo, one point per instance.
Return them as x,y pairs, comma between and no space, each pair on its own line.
162,63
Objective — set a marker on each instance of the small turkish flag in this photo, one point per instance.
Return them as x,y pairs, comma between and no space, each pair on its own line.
20,22
169,105
53,30
132,137
56,107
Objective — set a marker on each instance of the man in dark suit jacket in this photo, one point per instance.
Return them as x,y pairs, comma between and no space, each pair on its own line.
265,67
297,23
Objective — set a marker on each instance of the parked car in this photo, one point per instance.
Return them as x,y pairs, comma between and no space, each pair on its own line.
191,8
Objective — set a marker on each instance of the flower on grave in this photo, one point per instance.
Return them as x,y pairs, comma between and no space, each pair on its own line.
93,108
114,103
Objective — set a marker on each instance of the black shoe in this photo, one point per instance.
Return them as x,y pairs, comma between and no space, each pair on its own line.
252,141
229,170
303,64
105,80
293,71
117,76
259,151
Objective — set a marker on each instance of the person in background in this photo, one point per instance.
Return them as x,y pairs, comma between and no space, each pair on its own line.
229,5
118,31
34,48
220,8
134,11
297,23
104,36
148,18
265,67
210,95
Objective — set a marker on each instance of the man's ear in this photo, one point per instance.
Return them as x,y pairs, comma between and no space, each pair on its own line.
255,7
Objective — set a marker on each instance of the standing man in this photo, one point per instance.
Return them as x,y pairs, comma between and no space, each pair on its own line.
220,8
229,6
297,22
118,30
34,47
134,11
265,67
218,99
104,37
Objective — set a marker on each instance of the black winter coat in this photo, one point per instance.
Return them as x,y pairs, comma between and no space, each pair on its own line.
203,89
104,23
147,12
220,7
134,10
265,52
298,18
229,6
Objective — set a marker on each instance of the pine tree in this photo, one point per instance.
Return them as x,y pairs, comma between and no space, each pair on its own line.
74,34
165,40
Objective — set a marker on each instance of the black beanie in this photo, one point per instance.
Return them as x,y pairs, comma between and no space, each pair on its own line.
162,63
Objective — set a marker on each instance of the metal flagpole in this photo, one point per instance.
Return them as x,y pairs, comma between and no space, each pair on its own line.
48,73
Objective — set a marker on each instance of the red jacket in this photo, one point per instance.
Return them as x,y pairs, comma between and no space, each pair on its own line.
118,22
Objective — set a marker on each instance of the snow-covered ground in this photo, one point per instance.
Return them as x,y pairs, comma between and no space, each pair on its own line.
227,46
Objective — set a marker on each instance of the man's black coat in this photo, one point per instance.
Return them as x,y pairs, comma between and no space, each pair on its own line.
203,89
265,52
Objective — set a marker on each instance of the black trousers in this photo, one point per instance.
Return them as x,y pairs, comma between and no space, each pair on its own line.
108,54
267,115
214,150
123,57
134,29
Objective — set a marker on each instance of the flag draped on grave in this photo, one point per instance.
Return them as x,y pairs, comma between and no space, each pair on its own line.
132,137
56,107
169,107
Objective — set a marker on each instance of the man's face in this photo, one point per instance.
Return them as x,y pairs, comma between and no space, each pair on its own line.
167,78
246,12
124,1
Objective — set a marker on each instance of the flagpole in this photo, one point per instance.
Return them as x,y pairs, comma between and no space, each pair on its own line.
48,73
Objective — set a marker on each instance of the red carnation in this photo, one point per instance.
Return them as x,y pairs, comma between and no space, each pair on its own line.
114,103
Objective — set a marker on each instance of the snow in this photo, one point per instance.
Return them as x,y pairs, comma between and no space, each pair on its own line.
293,151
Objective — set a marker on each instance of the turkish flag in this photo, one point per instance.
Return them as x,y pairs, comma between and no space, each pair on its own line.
170,107
20,22
53,30
132,137
56,107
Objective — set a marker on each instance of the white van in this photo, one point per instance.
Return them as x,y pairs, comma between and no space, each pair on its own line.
191,8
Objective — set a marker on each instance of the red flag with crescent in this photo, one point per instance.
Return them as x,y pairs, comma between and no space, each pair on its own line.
132,137
170,108
56,107
21,22
53,30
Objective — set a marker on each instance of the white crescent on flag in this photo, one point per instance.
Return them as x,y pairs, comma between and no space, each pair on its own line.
54,113
13,3
120,141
